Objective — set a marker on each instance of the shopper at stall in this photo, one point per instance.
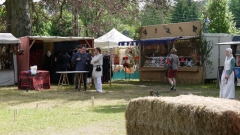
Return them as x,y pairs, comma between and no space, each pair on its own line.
79,59
47,63
227,87
173,63
165,73
66,62
97,62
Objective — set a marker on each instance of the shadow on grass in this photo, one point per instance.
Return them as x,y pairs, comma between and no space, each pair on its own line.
110,109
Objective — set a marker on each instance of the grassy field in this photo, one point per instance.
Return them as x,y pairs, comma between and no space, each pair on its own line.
65,112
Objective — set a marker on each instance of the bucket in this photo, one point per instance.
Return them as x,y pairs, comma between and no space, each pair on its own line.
33,70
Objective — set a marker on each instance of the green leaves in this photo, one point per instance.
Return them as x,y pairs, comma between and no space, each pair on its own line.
222,20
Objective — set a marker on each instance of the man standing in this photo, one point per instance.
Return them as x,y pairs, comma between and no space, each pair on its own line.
79,59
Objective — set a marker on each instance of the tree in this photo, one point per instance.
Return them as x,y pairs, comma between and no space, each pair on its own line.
186,11
204,48
41,26
234,8
3,19
155,12
220,16
18,17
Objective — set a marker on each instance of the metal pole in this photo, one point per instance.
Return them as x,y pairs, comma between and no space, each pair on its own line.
217,84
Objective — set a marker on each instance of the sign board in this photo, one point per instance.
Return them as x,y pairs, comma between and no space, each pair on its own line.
170,30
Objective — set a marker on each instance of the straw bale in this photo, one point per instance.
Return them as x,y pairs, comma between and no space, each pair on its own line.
183,115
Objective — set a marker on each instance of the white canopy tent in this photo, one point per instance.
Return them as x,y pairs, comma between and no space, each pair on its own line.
8,38
8,76
110,39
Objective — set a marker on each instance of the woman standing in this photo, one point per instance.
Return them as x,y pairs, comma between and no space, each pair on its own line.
227,87
97,62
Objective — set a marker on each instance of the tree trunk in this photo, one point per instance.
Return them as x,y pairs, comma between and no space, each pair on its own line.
75,20
18,17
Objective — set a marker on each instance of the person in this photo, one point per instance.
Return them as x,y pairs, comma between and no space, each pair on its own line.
47,64
97,61
173,63
166,73
88,65
59,61
227,87
79,59
66,62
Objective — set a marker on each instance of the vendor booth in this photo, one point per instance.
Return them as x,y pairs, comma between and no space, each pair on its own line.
110,39
8,60
37,48
109,45
156,43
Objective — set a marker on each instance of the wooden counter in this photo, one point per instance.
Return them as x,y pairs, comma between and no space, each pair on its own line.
185,75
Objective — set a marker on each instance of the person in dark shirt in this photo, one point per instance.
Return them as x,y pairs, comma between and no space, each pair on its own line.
79,59
88,65
66,61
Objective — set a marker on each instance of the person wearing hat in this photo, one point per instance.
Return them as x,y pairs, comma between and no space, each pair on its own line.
227,87
173,64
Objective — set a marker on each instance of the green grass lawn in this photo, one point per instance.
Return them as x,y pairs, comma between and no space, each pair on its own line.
66,112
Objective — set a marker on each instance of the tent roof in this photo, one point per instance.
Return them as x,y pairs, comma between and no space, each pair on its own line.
236,38
58,38
8,38
229,43
113,36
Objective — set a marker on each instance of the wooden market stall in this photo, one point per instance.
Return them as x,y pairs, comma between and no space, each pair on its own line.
156,43
36,47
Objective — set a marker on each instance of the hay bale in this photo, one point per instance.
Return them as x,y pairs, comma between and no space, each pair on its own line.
183,115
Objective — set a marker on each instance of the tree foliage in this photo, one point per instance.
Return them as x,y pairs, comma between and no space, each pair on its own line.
155,12
205,51
186,11
3,19
220,16
234,6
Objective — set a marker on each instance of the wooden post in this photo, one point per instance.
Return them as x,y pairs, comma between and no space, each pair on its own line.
110,71
14,115
16,111
92,100
36,105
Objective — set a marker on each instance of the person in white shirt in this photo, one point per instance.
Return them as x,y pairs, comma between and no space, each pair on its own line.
97,62
227,87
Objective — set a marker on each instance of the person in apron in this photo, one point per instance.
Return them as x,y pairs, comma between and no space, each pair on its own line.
227,87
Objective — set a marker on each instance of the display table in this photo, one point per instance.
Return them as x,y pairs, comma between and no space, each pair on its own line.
40,81
63,80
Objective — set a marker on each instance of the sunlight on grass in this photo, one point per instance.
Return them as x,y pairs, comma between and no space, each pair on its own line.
66,112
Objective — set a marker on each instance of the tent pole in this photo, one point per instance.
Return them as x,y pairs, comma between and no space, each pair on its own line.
110,72
32,44
218,67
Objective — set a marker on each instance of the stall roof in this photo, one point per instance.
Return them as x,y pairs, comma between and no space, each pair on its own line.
228,43
154,40
8,38
58,38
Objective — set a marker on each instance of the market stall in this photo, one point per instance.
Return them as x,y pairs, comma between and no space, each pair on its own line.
37,47
110,39
109,43
8,61
156,43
